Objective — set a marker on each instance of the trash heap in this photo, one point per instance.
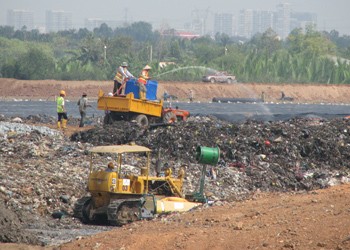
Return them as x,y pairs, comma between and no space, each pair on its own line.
43,173
299,154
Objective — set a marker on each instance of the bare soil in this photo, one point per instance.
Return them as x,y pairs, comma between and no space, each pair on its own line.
306,93
314,220
306,220
317,220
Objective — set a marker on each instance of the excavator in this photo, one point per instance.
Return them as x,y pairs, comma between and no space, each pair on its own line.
122,196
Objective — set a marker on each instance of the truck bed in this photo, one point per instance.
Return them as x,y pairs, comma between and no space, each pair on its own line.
129,104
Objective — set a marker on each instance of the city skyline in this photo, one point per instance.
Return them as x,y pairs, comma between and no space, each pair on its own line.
176,15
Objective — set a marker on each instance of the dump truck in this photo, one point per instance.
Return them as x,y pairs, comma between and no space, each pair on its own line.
130,107
122,196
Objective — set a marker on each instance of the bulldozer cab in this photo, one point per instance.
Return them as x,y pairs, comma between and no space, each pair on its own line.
118,178
125,179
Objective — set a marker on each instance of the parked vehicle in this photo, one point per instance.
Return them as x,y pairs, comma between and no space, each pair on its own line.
219,76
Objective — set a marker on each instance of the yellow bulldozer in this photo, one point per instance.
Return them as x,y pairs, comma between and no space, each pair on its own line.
122,196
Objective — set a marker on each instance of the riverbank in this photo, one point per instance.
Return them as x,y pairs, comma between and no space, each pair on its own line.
11,89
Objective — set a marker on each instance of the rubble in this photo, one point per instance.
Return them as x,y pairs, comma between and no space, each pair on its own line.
300,154
11,228
42,172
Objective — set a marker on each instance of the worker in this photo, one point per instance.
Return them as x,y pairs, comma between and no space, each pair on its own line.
190,95
120,78
83,104
282,95
143,78
165,96
61,111
110,167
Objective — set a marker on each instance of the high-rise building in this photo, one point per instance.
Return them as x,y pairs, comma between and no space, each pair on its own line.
303,19
20,18
262,21
283,20
245,23
199,21
57,20
223,23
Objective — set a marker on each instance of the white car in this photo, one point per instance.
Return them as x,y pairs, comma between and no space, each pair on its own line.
219,76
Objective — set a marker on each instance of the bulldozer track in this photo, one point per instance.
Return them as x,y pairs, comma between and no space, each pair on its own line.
121,212
78,211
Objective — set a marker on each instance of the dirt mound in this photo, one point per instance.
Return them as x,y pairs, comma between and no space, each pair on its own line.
11,228
309,93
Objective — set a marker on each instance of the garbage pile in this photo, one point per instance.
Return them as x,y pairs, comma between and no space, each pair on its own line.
299,154
43,173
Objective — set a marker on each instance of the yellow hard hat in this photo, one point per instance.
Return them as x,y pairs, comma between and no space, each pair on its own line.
62,92
147,67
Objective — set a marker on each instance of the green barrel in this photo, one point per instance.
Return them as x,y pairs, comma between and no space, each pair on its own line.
208,155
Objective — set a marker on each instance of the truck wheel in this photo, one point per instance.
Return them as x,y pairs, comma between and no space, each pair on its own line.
169,117
142,120
212,80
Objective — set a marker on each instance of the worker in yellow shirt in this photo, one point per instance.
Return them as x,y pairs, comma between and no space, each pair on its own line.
61,111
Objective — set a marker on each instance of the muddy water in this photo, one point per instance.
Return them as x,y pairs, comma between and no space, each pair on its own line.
227,111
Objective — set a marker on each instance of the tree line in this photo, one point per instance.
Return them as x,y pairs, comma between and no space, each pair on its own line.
305,56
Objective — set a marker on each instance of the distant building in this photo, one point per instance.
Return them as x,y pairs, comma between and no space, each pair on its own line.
20,18
199,21
92,23
179,33
57,20
262,21
198,26
283,20
245,23
186,34
223,23
302,20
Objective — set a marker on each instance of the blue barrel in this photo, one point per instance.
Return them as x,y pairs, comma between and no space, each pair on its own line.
132,86
151,87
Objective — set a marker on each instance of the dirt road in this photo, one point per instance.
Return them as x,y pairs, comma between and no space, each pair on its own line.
316,220
47,89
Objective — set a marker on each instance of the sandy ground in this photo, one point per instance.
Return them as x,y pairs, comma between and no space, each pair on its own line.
317,220
314,220
47,89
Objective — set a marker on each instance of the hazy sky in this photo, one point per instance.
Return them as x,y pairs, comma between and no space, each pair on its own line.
331,14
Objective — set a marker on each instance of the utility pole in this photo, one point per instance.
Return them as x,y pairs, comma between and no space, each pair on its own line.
150,54
105,54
